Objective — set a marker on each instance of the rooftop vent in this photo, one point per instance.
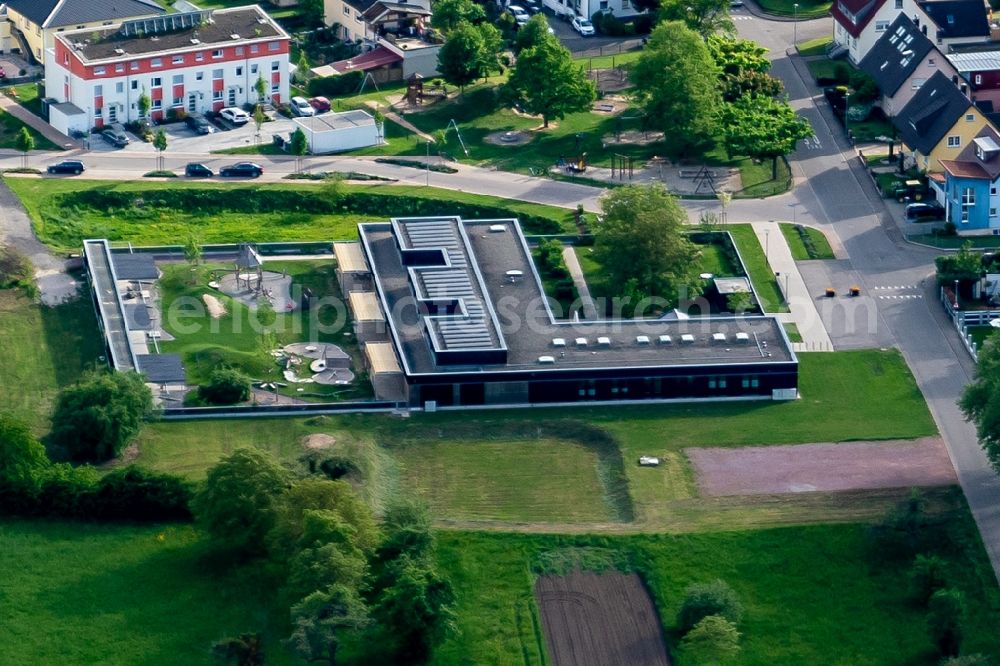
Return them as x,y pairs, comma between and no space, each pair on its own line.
195,40
718,337
665,340
234,36
642,339
558,342
687,339
119,51
546,360
742,337
497,228
581,342
604,342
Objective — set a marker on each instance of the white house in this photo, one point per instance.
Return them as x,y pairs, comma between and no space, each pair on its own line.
191,62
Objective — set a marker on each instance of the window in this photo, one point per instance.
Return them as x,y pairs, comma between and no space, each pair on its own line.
178,101
275,87
156,82
217,53
98,91
970,117
881,26
899,4
156,62
65,58
120,87
99,71
604,4
177,60
199,56
178,79
968,197
915,85
993,212
347,10
253,68
273,46
954,141
255,48
216,94
157,103
134,66
199,76
274,65
993,190
239,50
979,79
239,71
931,63
135,85
119,67
217,74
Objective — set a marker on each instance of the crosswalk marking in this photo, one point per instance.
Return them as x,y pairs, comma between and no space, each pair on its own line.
900,297
742,18
902,286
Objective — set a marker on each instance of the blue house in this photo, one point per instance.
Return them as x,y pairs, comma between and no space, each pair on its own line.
970,186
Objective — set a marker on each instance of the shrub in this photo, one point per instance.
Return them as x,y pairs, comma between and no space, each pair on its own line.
704,599
66,491
333,86
134,493
15,269
946,609
713,640
905,531
927,575
225,386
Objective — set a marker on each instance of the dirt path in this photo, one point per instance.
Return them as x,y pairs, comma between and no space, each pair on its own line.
802,468
215,307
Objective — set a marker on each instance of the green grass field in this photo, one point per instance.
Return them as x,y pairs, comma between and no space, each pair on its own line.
760,272
805,9
814,47
799,250
44,348
793,332
64,226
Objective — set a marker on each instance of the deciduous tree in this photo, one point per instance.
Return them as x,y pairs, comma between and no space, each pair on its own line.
762,128
98,416
945,614
546,82
533,33
448,14
299,146
225,386
676,84
462,56
416,611
23,463
160,143
705,17
322,618
317,494
25,143
145,103
714,640
642,238
981,400
704,599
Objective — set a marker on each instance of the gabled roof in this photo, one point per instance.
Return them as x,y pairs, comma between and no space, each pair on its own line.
975,61
862,10
931,113
968,165
60,13
896,55
958,18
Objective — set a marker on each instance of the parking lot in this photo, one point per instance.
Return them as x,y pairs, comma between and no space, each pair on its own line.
180,138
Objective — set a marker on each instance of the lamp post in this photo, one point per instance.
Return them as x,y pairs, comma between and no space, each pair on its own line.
795,25
847,109
767,246
427,164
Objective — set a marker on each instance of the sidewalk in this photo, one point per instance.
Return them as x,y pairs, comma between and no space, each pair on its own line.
580,282
800,302
399,120
43,128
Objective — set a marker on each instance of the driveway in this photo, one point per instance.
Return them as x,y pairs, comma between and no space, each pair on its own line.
180,138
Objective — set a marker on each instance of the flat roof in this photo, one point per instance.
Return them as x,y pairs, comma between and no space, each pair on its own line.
134,266
223,27
162,368
350,258
364,305
332,122
525,324
382,358
733,285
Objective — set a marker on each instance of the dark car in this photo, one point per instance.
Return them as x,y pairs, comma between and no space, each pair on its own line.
199,124
67,166
923,212
196,170
242,169
115,135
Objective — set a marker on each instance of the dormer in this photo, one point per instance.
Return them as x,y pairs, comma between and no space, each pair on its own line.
986,148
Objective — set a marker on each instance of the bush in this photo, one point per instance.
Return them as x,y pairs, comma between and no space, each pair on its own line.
704,599
905,531
133,493
946,609
714,640
225,386
927,575
15,269
334,86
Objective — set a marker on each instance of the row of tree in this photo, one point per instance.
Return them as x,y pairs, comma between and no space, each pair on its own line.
350,583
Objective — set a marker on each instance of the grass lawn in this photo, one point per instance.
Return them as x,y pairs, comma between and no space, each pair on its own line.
806,8
820,245
792,331
26,94
955,242
814,47
536,481
45,348
980,334
869,130
822,69
11,126
236,339
609,61
760,272
64,224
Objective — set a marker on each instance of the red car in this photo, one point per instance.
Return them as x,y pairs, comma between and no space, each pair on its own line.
3,74
321,104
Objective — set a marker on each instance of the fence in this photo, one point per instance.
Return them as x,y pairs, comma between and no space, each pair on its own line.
963,319
610,49
270,411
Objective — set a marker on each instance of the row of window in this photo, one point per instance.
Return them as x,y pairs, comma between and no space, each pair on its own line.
180,59
178,79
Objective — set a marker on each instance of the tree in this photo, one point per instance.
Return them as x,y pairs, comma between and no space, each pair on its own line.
25,143
980,400
192,251
643,238
322,495
23,464
260,87
533,33
160,143
322,617
713,640
225,386
448,14
705,17
547,82
762,128
240,499
749,83
145,103
945,612
312,12
416,611
735,56
964,266
407,528
302,67
328,554
258,118
299,145
242,650
676,83
462,56
98,416
704,599
928,574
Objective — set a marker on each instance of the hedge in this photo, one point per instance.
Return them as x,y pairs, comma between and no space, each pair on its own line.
334,86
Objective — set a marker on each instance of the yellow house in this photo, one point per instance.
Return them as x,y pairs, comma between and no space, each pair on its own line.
938,123
33,23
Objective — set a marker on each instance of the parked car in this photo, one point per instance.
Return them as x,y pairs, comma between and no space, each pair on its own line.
321,104
115,135
301,107
910,190
198,170
199,124
241,170
923,212
3,74
520,14
735,4
583,26
533,6
235,116
67,166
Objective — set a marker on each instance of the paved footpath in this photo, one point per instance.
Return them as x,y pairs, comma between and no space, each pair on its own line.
46,130
580,281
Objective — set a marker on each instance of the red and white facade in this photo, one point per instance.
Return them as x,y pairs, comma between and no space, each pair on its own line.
196,77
